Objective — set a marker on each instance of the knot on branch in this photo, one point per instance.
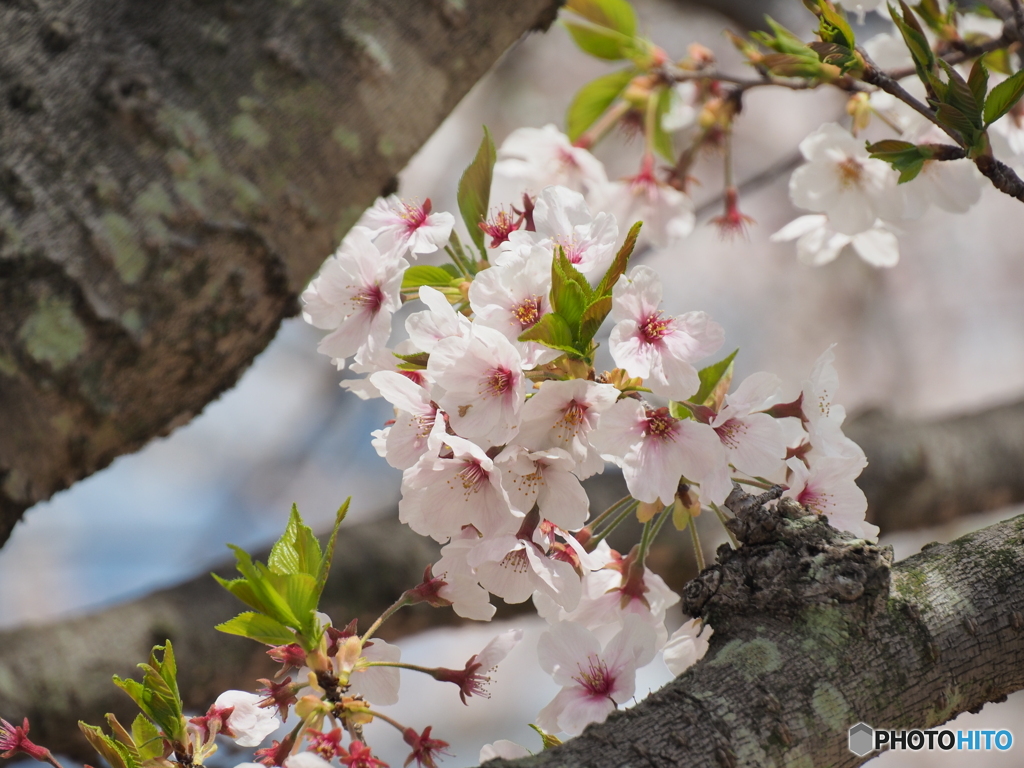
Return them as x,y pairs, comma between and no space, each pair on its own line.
790,558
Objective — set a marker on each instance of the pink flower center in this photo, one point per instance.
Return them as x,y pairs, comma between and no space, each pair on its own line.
572,248
574,414
850,171
655,327
499,381
370,299
660,425
500,227
730,433
527,312
416,377
516,561
415,216
595,678
472,475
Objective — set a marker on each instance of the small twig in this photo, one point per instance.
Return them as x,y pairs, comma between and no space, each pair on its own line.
1001,175
1018,18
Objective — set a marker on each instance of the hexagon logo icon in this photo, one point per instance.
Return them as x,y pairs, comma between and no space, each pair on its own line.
862,739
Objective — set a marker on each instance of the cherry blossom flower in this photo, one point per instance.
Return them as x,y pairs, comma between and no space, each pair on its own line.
354,296
531,159
461,586
417,427
378,685
687,646
14,741
655,449
563,220
438,321
474,677
512,296
842,181
656,347
248,723
613,592
544,478
359,755
754,442
441,495
424,749
383,359
562,414
824,418
513,566
666,212
818,243
306,760
408,227
503,748
1007,135
594,680
480,377
828,488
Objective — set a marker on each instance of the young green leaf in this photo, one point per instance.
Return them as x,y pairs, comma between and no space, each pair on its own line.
593,99
425,274
147,738
917,43
475,189
325,563
977,81
714,382
618,266
960,95
593,317
551,331
599,42
903,156
1003,97
115,753
833,26
298,550
258,627
616,15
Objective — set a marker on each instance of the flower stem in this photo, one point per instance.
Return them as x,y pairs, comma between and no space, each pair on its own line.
722,518
398,604
756,483
607,513
607,121
697,551
596,539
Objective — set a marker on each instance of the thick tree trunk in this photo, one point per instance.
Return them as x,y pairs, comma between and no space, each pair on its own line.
814,634
172,174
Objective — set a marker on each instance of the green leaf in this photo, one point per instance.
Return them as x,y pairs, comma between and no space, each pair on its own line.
917,43
712,380
240,588
593,99
953,118
836,55
903,156
616,15
125,738
157,695
833,26
960,95
999,61
298,550
475,190
782,41
425,274
325,563
570,291
593,317
267,599
109,749
417,361
1003,97
258,627
600,43
678,410
618,267
977,81
147,738
551,331
662,139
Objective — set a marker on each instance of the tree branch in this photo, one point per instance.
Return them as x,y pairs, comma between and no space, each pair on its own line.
923,473
812,636
172,174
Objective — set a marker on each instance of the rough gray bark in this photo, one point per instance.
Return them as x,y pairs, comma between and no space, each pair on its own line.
172,174
923,473
814,633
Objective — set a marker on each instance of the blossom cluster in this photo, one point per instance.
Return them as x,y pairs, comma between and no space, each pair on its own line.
496,424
